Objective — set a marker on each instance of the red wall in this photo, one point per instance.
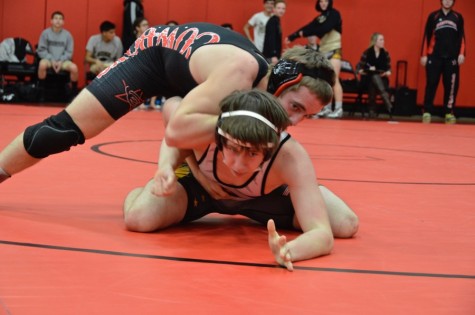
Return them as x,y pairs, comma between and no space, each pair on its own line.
401,21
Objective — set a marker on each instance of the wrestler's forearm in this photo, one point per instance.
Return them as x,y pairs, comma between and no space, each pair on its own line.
311,244
171,157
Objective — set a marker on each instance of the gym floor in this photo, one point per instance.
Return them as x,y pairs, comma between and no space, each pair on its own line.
64,248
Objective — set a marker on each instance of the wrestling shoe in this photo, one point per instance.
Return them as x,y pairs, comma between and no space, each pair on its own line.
327,109
338,113
426,118
450,119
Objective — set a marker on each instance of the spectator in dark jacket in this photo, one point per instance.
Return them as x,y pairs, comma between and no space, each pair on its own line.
375,68
133,9
273,37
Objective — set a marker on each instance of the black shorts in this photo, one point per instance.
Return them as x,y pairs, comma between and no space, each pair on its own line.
126,85
275,205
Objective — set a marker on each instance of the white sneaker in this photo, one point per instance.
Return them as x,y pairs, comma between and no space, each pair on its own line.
327,109
338,113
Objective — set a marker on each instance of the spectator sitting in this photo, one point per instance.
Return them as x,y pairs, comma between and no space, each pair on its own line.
375,68
103,49
55,49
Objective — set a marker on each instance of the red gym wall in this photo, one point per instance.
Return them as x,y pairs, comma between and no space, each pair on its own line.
401,21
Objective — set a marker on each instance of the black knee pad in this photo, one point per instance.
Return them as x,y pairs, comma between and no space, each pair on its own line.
55,134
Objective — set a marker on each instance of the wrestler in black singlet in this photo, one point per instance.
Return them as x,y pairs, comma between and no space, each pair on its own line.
158,64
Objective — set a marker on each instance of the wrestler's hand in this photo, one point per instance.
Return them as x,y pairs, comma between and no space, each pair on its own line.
278,246
164,182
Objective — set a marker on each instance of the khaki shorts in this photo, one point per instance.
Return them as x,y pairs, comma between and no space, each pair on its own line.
96,68
64,66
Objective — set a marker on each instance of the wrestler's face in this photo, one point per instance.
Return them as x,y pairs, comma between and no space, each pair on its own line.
323,4
241,160
300,104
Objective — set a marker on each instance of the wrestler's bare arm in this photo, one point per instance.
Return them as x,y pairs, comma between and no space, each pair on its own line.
295,169
194,122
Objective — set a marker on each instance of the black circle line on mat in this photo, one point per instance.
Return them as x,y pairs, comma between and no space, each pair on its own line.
98,149
235,263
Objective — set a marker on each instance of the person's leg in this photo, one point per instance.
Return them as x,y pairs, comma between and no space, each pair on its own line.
450,79
433,72
337,88
381,86
43,67
72,68
372,98
146,212
86,113
344,222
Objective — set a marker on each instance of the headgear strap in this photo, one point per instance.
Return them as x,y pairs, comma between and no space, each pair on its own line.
250,114
289,72
239,142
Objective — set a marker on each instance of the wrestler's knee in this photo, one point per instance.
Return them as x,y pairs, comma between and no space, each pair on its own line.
347,226
55,134
135,221
136,215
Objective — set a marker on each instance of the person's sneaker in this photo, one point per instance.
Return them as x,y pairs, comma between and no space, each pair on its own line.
450,119
426,118
327,109
338,113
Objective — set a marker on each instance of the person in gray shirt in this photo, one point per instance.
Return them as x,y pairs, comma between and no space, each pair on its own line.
55,49
103,49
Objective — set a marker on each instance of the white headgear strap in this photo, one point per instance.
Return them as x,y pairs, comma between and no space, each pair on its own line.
250,114
239,142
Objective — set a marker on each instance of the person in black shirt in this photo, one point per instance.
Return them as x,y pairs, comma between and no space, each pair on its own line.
133,9
375,68
443,51
328,28
273,36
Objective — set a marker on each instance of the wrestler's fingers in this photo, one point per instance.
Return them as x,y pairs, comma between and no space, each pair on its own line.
271,226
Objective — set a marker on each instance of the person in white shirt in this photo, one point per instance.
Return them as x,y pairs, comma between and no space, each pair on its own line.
258,22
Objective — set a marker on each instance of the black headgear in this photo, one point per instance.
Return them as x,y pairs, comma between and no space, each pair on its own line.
289,72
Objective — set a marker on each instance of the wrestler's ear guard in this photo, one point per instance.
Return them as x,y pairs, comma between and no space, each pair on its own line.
288,72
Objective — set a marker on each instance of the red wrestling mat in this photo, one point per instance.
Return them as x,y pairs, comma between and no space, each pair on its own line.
64,249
